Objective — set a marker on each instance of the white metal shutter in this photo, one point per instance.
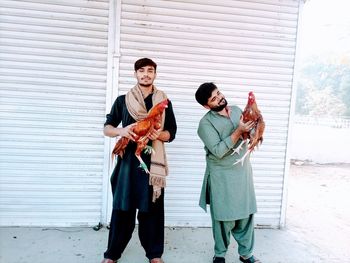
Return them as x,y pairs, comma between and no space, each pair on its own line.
53,86
239,45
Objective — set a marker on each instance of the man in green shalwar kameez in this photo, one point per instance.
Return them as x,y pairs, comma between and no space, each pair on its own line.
228,188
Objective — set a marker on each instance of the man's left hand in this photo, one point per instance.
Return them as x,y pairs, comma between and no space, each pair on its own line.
154,135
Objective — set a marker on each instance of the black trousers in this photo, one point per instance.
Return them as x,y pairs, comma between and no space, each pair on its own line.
150,230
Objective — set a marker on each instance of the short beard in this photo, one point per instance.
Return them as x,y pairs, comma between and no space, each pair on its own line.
146,86
220,108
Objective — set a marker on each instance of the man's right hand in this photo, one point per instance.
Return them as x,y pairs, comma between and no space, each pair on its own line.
245,127
127,132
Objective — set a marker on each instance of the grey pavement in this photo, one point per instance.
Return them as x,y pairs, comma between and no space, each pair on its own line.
318,230
186,245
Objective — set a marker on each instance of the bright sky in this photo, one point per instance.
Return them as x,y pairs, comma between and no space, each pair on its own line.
325,27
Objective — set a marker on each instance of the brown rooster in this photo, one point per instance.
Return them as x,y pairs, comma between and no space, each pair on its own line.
142,129
255,135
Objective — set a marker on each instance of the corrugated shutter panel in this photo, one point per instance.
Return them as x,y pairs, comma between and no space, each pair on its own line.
53,87
239,45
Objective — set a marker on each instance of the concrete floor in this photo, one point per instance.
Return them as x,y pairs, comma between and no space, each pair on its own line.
318,230
186,245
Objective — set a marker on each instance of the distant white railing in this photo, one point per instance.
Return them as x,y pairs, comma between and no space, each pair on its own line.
334,122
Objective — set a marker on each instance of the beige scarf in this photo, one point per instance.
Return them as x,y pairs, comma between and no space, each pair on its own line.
159,167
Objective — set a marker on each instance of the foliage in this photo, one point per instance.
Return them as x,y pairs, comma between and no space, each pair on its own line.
323,88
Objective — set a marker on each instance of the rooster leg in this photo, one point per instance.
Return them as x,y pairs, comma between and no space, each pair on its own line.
239,148
243,157
149,150
142,164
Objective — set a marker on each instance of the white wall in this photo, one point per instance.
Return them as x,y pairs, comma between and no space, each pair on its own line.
320,144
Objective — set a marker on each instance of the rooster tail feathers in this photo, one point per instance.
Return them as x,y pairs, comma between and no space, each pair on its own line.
120,146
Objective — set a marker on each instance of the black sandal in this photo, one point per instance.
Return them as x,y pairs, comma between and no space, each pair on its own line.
218,260
252,259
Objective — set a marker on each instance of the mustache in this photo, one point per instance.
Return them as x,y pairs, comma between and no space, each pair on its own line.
221,106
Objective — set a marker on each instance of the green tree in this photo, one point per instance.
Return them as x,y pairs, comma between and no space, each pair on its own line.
323,88
324,103
344,91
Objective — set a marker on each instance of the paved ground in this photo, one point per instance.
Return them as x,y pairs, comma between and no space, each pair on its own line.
318,230
319,208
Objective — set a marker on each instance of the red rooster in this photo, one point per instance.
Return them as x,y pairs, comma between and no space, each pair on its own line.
255,135
142,129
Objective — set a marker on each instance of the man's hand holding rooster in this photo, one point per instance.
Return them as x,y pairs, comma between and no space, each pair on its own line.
245,127
154,134
127,132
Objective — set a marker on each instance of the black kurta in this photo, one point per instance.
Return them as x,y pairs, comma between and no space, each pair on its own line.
130,183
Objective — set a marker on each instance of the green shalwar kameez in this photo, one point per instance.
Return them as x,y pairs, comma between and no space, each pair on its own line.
228,188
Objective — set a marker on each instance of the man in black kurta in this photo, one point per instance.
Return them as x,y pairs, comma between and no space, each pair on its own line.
130,183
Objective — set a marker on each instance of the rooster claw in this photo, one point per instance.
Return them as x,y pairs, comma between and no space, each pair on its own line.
148,150
241,160
142,164
238,149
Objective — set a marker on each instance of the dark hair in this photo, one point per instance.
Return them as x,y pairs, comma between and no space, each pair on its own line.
204,92
142,62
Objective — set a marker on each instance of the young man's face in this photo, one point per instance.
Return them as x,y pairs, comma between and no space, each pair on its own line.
145,76
217,101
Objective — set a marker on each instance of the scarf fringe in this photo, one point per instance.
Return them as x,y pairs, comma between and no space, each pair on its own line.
157,180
